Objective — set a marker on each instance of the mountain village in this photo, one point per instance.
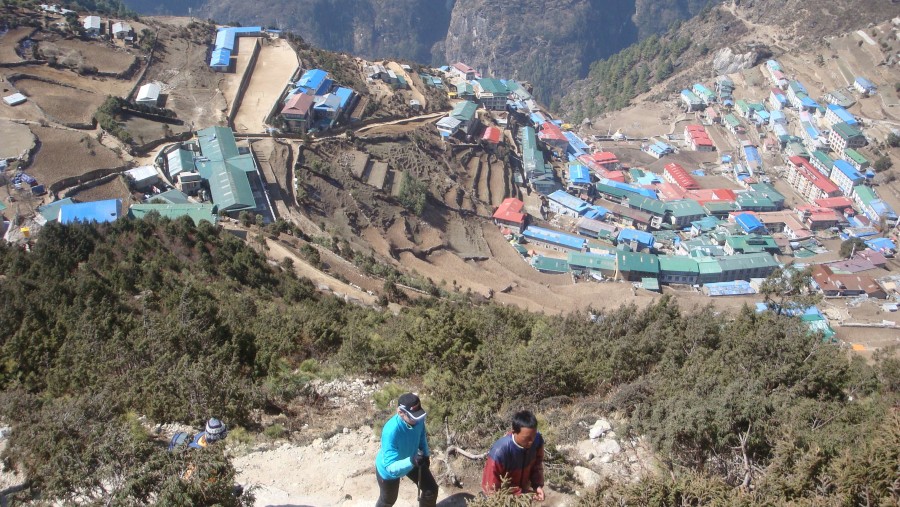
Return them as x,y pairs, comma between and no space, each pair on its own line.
747,176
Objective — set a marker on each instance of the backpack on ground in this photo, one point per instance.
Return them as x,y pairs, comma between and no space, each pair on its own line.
179,439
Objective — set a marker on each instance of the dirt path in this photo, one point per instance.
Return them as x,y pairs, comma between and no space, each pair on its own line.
413,89
338,471
279,252
399,126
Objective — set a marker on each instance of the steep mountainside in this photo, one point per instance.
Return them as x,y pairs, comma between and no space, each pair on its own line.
720,39
548,43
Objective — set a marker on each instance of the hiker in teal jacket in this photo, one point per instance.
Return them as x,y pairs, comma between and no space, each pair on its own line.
404,452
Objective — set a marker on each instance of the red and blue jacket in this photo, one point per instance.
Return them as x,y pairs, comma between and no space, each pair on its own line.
523,468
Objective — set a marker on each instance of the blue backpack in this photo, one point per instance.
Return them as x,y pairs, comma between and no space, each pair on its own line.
179,439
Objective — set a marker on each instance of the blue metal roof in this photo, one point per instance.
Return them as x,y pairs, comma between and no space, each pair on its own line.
749,222
843,114
95,211
538,118
569,201
576,143
752,154
315,80
579,174
848,170
555,237
879,244
808,102
646,192
220,58
345,94
596,212
776,115
865,83
643,238
882,209
811,131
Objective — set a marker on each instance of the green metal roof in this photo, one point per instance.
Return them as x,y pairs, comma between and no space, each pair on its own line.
742,105
678,264
650,284
171,197
50,212
754,200
685,208
464,111
494,86
846,131
823,158
196,212
747,261
611,190
732,120
720,206
226,170
865,194
550,264
752,243
464,89
641,262
592,261
641,203
856,156
708,266
768,190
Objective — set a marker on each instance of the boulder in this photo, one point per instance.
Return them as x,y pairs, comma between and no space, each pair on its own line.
608,446
587,477
599,429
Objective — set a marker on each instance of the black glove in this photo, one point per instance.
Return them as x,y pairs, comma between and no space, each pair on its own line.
421,461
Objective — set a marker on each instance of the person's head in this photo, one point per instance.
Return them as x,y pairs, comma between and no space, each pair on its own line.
215,430
409,408
524,428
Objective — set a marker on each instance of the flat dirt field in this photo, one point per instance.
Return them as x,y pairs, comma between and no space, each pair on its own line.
144,130
67,153
182,68
74,52
68,105
275,65
114,189
17,139
229,82
100,85
8,42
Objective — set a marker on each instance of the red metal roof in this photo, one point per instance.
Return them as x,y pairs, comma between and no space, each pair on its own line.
616,176
776,91
492,135
605,157
299,104
838,203
694,128
460,66
814,176
510,210
682,178
550,132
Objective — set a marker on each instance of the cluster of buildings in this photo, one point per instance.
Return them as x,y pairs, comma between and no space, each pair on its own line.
213,177
630,224
94,26
315,101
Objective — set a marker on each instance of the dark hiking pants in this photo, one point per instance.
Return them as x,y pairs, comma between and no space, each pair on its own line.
390,488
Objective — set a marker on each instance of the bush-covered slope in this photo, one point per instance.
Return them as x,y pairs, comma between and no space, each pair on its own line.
180,323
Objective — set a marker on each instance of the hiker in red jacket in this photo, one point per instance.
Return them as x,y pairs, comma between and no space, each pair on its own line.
517,457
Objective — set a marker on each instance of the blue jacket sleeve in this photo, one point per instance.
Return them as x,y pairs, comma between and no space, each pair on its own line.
423,440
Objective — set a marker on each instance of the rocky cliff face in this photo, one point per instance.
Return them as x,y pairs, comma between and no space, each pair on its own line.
548,43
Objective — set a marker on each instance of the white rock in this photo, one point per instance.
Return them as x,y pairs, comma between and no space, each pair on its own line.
608,446
589,478
599,428
346,430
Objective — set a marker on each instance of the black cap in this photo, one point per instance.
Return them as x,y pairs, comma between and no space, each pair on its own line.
411,404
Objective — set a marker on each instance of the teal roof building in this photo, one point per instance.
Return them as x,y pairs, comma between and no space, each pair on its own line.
234,182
